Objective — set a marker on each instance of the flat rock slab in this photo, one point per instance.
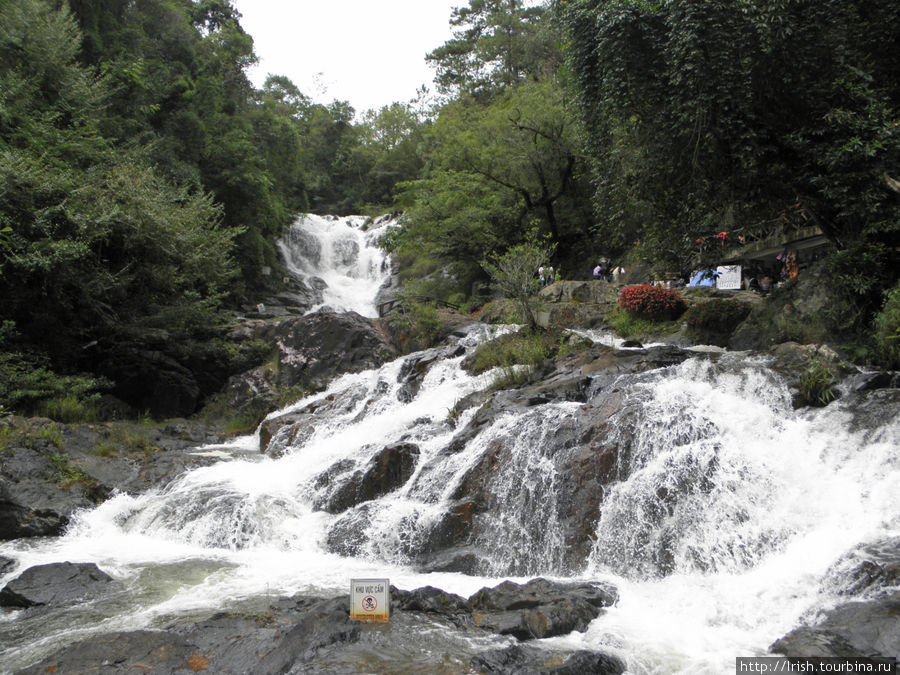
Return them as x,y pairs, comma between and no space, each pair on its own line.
56,584
134,652
308,634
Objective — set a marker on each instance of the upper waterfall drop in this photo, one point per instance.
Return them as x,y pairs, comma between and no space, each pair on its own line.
339,260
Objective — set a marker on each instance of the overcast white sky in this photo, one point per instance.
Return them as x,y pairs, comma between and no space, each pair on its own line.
368,52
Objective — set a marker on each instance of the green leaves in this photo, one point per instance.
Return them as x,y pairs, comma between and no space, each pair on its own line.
704,114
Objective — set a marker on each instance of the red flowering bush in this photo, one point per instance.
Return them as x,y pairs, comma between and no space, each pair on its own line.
651,302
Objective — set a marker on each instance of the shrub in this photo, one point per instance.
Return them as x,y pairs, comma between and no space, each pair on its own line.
627,325
69,409
816,383
528,348
887,330
716,316
651,302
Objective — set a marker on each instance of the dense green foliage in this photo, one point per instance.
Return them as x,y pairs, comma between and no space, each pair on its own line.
143,183
704,115
716,315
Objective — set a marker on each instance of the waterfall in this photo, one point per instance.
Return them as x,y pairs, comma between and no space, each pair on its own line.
339,258
725,510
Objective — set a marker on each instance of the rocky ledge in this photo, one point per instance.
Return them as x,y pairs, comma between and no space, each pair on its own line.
49,470
308,634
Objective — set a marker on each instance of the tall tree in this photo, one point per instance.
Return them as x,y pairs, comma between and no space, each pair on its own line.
496,43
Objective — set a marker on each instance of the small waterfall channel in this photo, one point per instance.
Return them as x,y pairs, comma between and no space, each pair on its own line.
728,509
338,260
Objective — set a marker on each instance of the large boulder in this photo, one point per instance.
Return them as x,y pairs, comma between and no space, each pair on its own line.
585,292
867,626
56,584
50,470
539,608
870,570
34,499
587,453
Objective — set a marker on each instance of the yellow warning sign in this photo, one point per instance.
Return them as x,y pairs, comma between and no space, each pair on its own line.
370,600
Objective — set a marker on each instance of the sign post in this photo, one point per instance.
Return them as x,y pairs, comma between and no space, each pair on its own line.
728,277
370,600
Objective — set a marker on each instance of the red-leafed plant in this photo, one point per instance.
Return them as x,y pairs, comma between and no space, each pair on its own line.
651,302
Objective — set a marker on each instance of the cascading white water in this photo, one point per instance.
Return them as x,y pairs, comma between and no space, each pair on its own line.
734,507
339,256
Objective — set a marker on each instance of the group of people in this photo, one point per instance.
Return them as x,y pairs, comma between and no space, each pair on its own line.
547,275
602,271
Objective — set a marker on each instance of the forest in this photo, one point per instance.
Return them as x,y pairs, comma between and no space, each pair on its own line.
144,180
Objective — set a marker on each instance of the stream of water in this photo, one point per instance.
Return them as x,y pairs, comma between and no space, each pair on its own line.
764,500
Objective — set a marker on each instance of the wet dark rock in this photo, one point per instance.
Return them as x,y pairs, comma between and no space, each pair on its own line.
307,634
388,470
56,584
868,409
346,536
414,369
291,430
870,570
314,349
528,659
430,600
855,629
33,502
289,632
587,452
539,608
6,564
124,652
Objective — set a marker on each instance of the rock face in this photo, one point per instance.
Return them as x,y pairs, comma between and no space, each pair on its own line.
388,470
586,454
49,470
303,634
589,292
314,349
311,351
123,652
56,584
